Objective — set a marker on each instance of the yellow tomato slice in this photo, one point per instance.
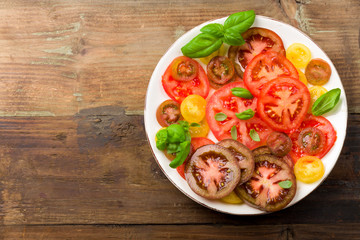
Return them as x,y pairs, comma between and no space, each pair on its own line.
232,198
302,77
200,131
192,108
316,92
309,169
220,52
298,54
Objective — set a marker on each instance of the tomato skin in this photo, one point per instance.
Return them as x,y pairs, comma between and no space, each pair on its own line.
168,113
283,103
317,122
266,67
318,72
179,90
223,101
309,169
259,40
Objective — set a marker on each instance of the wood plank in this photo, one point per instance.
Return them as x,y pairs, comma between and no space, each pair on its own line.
97,168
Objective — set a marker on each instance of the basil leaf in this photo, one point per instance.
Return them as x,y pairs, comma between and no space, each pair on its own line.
285,184
215,29
220,116
181,155
254,135
245,115
176,133
234,132
185,125
194,124
240,22
326,102
233,37
242,92
161,139
172,148
201,46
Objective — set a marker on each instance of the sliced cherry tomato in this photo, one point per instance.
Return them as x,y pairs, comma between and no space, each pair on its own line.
220,52
279,143
196,142
283,103
311,140
220,70
318,72
178,90
193,108
168,113
298,54
200,131
223,101
263,190
265,67
309,169
184,69
320,123
259,40
212,172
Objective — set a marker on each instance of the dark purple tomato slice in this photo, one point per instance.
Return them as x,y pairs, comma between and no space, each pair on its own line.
279,143
168,113
212,172
263,190
311,140
232,53
244,156
265,150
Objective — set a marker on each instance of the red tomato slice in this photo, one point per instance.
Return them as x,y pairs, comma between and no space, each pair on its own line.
265,67
259,40
283,103
179,90
196,142
223,101
321,124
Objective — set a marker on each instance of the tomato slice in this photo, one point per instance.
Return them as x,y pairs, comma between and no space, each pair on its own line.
168,113
223,101
318,72
179,90
283,103
184,68
220,70
265,67
321,124
309,169
259,40
311,140
196,142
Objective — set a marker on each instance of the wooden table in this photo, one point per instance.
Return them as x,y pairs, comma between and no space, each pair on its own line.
74,158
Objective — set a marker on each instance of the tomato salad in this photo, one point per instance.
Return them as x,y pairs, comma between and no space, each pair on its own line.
255,101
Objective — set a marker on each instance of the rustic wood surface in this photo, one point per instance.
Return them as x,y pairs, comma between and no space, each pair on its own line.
74,159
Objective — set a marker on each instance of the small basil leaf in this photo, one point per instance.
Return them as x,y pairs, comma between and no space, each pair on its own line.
176,133
161,139
181,155
242,92
201,46
184,124
240,22
220,116
194,124
245,115
234,132
215,29
254,135
285,184
233,38
326,102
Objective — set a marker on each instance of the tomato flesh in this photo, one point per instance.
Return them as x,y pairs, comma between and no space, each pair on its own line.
266,67
283,103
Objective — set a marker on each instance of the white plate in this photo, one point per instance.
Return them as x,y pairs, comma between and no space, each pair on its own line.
156,95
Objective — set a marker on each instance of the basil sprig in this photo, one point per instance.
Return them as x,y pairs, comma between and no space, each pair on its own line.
242,93
326,102
213,35
245,115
